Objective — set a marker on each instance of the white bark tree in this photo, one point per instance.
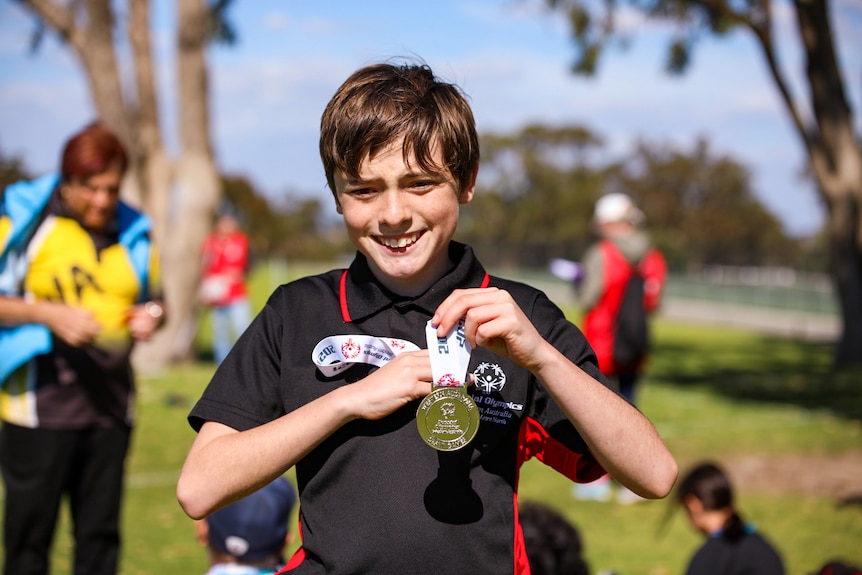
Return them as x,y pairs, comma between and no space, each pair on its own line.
179,194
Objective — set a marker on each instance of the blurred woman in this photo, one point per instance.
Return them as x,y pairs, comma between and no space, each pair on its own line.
733,547
79,285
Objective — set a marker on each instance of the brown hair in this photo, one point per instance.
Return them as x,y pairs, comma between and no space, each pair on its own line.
379,103
91,151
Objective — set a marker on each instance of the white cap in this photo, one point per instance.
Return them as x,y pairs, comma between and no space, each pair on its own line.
617,207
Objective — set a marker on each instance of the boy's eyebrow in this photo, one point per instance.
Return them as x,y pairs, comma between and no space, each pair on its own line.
417,173
351,180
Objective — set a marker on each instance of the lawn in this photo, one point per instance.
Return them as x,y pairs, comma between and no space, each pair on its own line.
713,393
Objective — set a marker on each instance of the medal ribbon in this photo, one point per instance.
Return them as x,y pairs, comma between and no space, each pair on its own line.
335,353
450,356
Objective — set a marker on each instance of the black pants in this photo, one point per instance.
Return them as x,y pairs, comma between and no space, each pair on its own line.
39,467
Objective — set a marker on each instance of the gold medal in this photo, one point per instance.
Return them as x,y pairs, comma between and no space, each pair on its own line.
447,418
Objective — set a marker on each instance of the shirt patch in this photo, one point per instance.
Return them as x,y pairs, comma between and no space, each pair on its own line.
489,382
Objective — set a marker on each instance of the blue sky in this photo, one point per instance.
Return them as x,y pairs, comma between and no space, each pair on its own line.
510,56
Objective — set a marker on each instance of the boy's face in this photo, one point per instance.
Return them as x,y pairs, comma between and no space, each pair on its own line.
401,217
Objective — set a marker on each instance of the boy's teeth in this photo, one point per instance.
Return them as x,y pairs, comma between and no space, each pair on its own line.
401,242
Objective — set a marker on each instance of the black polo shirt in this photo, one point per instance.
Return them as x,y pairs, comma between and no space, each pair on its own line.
374,497
749,554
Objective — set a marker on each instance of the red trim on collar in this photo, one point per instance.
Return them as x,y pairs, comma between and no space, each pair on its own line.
342,294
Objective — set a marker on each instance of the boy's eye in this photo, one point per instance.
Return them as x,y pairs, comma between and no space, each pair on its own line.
360,192
422,184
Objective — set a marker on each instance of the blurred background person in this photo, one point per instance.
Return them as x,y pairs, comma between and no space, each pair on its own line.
249,537
225,266
623,250
615,319
552,543
732,547
79,285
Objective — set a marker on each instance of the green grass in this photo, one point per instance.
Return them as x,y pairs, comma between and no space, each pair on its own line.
716,394
712,393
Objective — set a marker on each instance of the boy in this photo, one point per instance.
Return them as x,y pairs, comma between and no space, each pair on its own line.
300,387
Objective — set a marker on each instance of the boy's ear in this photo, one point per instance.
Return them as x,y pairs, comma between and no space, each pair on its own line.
337,204
467,192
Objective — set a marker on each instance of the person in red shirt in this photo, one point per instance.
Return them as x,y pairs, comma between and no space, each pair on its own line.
223,282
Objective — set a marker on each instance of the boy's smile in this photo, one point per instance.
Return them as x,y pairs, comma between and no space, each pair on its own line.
401,217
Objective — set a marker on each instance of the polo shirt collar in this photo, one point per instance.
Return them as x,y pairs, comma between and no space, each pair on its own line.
365,296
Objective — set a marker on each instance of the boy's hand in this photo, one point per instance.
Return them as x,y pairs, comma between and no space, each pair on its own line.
493,321
405,378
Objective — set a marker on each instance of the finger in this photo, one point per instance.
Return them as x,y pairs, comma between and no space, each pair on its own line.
458,304
481,317
470,379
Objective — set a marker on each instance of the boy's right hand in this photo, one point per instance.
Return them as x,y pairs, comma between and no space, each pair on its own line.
405,378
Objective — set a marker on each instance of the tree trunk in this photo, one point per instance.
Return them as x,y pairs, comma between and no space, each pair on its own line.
837,166
196,192
197,182
181,214
155,173
846,268
94,44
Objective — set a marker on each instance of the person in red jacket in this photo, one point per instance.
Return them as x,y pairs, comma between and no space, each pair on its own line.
622,250
225,265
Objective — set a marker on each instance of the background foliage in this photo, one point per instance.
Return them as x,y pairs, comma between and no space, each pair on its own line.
534,201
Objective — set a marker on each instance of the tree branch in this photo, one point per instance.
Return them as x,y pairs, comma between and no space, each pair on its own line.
61,19
763,34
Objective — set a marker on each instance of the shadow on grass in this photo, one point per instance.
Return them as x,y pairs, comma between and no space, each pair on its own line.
763,369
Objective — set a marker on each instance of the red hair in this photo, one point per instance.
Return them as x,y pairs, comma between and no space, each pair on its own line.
91,151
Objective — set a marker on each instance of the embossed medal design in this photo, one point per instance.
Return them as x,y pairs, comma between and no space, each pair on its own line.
447,418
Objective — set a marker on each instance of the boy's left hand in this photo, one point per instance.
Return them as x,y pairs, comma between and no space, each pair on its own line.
493,321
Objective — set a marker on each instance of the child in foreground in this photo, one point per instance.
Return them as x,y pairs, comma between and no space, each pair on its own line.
249,536
334,375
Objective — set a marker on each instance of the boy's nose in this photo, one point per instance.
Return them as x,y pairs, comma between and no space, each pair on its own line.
396,209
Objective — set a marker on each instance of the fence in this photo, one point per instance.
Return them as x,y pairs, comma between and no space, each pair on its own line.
779,301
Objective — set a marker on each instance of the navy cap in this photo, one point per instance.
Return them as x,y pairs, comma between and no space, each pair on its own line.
254,527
